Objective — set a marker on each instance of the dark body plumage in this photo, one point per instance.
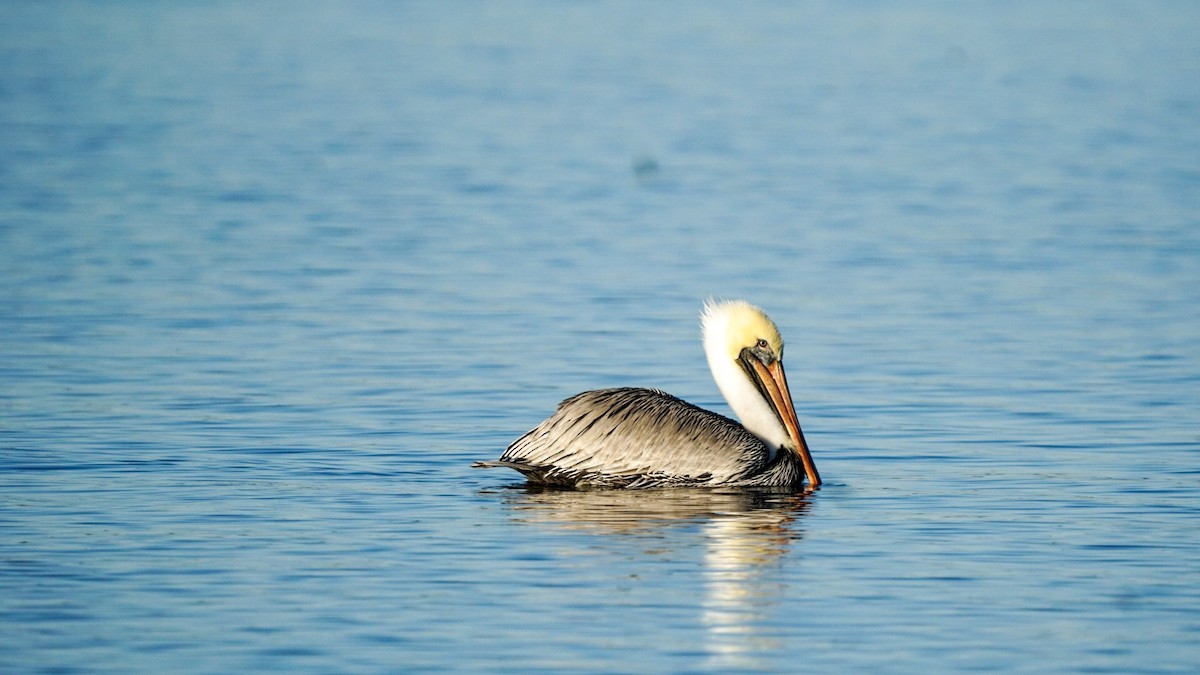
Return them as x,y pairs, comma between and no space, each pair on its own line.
633,438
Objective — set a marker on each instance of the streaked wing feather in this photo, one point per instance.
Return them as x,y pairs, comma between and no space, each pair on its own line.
636,436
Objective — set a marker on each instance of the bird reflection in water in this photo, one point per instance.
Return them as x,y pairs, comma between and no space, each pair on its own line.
744,533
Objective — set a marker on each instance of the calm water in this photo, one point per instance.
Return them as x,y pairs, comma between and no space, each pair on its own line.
272,277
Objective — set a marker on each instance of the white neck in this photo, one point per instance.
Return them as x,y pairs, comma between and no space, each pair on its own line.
743,397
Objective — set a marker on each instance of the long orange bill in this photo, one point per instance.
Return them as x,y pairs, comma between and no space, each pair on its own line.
775,381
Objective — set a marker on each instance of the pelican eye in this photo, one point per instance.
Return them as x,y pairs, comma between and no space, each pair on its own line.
763,352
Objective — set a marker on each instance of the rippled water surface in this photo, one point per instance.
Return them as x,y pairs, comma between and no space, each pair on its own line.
272,278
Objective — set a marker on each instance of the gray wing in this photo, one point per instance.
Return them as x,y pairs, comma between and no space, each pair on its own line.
633,436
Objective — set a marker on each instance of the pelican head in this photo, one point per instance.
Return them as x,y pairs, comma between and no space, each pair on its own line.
745,354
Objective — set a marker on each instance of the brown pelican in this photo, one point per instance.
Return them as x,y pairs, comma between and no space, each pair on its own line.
634,437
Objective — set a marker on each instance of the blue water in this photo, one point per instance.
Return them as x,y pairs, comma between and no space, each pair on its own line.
272,277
